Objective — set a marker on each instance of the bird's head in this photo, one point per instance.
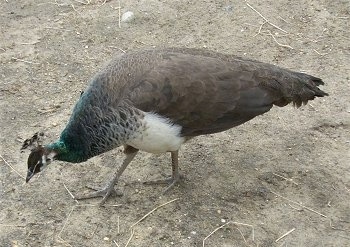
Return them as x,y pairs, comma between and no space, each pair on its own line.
40,156
38,159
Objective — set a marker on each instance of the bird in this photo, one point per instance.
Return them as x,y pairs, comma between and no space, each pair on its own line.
157,99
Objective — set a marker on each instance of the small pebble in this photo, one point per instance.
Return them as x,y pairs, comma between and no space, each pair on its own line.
228,8
223,221
127,16
106,238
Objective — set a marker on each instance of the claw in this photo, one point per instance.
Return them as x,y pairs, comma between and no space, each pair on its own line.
104,193
109,190
170,181
115,192
175,177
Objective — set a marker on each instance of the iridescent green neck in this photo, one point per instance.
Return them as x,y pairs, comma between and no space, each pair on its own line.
58,146
64,154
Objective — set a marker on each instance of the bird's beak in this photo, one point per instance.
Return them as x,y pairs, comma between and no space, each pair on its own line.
30,174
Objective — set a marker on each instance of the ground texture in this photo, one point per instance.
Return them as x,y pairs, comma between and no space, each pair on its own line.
284,172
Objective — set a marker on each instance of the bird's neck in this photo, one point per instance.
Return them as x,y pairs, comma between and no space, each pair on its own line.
63,153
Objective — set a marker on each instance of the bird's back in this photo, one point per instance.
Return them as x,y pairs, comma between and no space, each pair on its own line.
207,92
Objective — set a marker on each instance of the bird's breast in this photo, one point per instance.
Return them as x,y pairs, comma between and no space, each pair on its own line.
157,134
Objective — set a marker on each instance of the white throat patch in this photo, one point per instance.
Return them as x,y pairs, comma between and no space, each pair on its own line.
46,159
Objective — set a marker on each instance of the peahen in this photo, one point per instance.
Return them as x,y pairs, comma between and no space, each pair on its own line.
155,100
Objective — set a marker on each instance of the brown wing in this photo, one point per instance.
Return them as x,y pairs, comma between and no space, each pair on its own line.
202,93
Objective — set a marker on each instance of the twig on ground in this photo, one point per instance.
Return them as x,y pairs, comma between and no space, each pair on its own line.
241,235
8,164
259,31
73,7
150,212
85,3
119,16
118,224
300,205
278,43
70,193
260,27
66,221
115,242
222,226
297,209
335,228
24,61
131,235
63,241
103,3
284,235
111,46
312,107
265,19
283,19
347,188
215,230
55,3
30,43
287,179
321,54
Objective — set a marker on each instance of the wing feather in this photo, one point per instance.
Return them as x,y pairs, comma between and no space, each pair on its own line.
200,93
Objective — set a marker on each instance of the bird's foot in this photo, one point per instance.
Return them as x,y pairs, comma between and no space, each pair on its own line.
170,181
104,192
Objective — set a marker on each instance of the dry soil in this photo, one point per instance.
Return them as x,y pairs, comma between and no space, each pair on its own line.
284,172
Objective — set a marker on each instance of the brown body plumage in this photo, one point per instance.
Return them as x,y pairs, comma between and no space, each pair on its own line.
207,92
154,100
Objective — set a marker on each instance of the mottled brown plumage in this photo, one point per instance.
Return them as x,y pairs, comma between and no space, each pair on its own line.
207,92
154,100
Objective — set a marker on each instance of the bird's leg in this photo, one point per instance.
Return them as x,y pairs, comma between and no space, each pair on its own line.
106,191
175,176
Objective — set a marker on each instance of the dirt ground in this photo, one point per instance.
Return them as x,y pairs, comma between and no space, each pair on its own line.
284,172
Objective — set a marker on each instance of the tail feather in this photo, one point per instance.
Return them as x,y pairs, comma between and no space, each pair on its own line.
309,90
298,89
